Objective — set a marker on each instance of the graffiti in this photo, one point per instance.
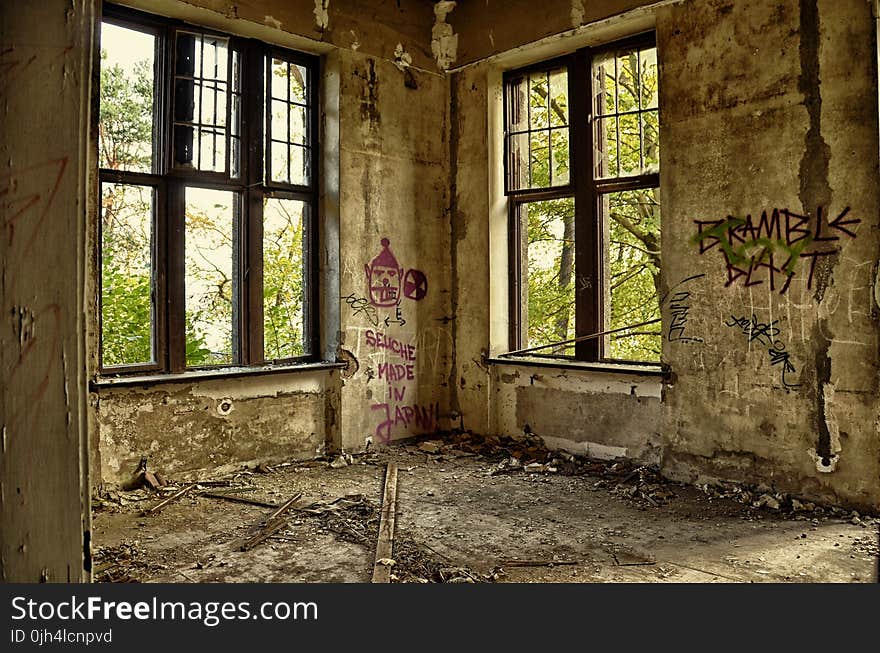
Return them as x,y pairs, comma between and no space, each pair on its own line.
423,417
19,198
415,285
360,306
396,410
774,243
387,282
379,340
764,333
398,318
679,309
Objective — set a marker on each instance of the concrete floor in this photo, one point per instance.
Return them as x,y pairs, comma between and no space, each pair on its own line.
458,522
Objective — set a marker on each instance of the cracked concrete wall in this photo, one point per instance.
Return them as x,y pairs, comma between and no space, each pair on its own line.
45,60
783,387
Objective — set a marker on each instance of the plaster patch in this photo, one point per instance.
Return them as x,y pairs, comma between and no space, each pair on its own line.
577,13
355,44
821,466
828,390
224,407
272,21
402,58
444,43
322,15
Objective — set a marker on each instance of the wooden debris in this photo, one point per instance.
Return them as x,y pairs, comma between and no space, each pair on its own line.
536,563
274,523
165,502
237,499
385,543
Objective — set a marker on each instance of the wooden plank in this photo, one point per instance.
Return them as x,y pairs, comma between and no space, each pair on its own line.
165,502
385,543
274,523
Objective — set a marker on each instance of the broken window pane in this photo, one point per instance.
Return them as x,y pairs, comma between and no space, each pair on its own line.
201,102
548,274
210,282
284,276
632,273
127,305
125,127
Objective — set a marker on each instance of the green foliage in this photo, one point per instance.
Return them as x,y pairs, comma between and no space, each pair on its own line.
282,280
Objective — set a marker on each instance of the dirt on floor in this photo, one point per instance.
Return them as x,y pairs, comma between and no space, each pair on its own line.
469,510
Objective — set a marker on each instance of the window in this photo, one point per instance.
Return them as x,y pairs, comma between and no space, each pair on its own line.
582,179
208,201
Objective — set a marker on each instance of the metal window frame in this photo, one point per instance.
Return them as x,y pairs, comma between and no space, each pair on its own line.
591,249
168,328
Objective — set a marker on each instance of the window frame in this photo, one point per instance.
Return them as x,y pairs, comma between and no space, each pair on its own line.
590,249
168,267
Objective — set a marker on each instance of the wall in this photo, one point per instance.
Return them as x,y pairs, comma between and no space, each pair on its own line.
783,388
44,518
385,177
763,107
394,161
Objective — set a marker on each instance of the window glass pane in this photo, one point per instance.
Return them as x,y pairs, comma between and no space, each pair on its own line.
605,148
648,75
210,222
539,157
651,141
560,153
604,85
283,278
538,101
127,308
125,130
630,144
280,163
299,165
517,109
548,294
632,273
558,98
628,81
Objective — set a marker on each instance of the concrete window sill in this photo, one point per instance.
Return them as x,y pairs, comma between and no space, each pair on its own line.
657,370
208,375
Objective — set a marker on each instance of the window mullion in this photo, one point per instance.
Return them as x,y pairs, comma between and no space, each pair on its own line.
254,98
176,275
588,230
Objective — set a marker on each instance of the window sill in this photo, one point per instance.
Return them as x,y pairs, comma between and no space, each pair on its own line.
646,369
208,375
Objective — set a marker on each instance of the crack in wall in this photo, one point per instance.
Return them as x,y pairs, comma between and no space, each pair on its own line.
815,191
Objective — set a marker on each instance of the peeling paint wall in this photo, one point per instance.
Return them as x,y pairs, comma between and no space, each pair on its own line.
201,427
45,59
784,387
